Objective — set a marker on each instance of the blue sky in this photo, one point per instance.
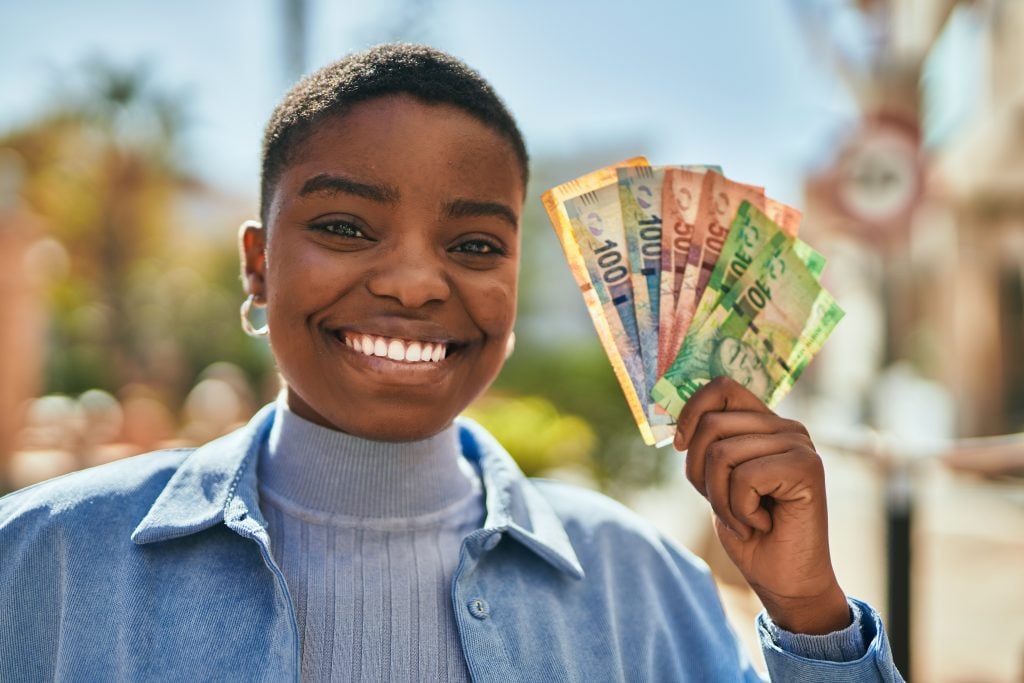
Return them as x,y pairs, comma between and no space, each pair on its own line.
731,82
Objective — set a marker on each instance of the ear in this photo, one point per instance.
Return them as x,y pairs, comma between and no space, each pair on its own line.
252,243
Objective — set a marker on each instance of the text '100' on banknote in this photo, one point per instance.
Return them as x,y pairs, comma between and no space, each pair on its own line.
687,276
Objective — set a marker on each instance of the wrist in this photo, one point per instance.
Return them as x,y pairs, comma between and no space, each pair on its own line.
811,615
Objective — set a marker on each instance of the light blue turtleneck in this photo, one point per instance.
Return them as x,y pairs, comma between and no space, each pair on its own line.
368,536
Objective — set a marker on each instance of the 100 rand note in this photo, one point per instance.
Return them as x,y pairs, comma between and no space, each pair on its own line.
596,217
762,333
639,193
610,331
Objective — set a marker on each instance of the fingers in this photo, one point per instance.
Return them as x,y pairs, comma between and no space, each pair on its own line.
758,487
723,462
739,452
716,427
721,394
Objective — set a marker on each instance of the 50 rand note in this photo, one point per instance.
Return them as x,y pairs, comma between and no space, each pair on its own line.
719,200
680,199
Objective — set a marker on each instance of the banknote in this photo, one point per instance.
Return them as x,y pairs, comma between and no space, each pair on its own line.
751,231
597,228
617,343
640,202
680,199
762,333
688,275
783,215
719,200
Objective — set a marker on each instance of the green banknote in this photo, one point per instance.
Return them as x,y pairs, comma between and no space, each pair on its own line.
762,333
749,233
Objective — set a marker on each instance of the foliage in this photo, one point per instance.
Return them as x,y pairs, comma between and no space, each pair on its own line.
579,381
530,427
138,301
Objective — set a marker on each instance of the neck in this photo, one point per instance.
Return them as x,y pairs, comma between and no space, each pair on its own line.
333,472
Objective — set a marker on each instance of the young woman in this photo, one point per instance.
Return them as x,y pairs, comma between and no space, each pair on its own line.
358,529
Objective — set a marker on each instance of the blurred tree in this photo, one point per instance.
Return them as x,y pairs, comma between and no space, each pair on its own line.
151,291
142,299
542,438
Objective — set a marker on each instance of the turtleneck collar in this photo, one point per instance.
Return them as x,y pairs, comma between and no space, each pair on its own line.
336,473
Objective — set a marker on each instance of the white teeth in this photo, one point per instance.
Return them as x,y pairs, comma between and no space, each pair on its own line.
398,349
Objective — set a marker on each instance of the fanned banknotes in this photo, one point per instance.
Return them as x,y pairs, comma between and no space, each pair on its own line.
600,302
688,275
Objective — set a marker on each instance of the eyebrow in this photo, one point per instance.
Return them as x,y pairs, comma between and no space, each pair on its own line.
467,208
336,184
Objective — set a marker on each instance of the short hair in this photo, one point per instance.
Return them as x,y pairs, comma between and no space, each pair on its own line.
423,72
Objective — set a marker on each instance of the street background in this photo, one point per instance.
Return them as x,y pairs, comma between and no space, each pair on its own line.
129,154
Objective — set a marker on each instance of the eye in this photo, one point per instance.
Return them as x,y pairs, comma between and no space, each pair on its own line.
480,246
341,228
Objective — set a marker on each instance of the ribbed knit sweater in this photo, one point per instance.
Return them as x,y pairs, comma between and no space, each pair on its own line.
368,536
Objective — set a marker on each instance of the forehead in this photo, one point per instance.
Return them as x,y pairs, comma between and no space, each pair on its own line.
423,149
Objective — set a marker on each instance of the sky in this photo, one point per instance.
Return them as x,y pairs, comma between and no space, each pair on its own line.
731,82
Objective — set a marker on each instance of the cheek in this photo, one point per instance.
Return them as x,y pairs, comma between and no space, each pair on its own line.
492,306
301,278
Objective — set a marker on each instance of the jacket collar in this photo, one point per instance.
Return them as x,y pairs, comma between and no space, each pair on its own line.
217,483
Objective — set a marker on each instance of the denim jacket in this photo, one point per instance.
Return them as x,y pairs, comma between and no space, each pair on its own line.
158,568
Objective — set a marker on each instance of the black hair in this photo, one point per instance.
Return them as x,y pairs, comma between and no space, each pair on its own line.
417,70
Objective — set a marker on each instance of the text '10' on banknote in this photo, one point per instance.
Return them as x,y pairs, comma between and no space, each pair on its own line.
687,276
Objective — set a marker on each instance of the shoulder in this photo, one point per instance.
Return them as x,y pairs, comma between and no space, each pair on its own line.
596,523
104,494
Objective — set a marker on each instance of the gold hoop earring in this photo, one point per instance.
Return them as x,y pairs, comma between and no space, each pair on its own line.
246,325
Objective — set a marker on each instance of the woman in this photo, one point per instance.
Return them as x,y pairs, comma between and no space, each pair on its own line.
358,529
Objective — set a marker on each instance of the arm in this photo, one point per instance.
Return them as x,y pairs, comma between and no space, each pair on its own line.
766,486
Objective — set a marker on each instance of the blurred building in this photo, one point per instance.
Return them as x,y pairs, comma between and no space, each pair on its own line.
920,206
924,200
982,174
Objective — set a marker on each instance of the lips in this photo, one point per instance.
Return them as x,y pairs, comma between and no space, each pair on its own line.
393,348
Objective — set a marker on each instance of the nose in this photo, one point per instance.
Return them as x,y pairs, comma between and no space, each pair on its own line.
413,276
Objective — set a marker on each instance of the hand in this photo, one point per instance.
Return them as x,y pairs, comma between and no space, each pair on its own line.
766,486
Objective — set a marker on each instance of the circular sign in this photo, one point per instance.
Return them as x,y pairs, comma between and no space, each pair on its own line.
879,176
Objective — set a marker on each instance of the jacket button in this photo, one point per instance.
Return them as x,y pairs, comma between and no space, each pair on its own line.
478,608
492,541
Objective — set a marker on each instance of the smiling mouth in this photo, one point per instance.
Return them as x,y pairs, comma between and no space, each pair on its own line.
401,350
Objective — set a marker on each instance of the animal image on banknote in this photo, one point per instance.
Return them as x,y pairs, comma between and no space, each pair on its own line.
687,276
